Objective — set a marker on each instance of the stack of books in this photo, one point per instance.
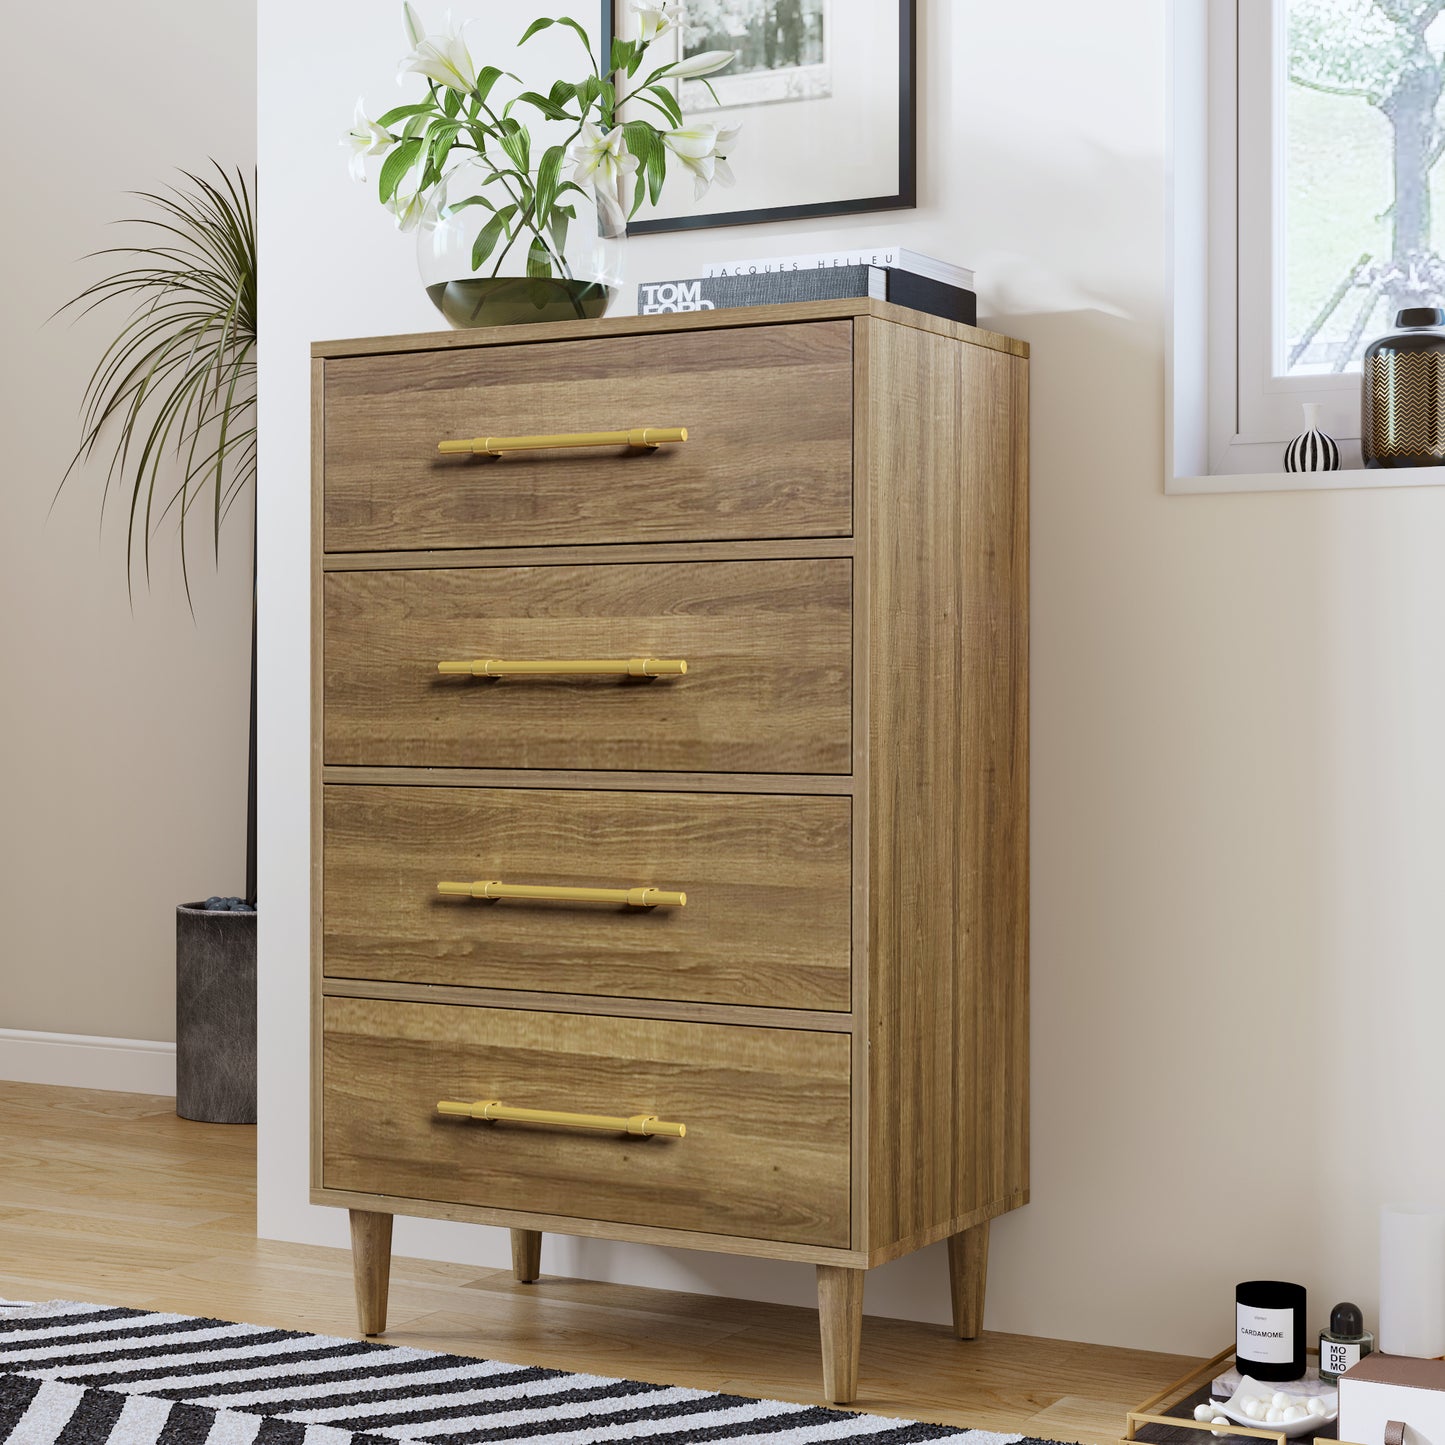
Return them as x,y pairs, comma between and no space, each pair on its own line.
886,273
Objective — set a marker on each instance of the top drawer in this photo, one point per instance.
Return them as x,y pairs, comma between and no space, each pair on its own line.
768,409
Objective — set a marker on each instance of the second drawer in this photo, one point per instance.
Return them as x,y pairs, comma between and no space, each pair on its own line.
768,648
767,878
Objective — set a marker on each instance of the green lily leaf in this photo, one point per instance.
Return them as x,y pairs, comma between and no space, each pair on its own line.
640,138
397,163
490,234
540,102
487,77
588,92
549,172
561,218
539,258
623,53
517,144
546,24
666,101
656,168
402,112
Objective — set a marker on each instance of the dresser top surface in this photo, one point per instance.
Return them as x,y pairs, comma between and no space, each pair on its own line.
688,321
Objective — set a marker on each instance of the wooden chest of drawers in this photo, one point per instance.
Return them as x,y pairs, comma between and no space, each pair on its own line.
730,956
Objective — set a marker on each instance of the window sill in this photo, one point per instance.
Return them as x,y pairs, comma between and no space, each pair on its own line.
1356,478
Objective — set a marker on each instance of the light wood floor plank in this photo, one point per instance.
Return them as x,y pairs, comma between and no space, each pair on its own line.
111,1198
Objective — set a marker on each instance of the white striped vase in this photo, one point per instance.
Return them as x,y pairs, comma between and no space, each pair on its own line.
1312,450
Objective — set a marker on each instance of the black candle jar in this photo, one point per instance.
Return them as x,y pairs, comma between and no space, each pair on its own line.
1270,1329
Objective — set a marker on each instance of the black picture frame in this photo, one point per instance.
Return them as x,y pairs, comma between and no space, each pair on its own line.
907,194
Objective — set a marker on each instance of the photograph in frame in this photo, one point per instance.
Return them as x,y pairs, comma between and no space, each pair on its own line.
822,94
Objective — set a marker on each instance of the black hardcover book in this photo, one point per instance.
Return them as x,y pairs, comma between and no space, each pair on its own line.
831,283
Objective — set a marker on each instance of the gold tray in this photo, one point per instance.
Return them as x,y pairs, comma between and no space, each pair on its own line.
1152,1423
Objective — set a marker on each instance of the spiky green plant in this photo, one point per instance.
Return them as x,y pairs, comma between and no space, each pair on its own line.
173,396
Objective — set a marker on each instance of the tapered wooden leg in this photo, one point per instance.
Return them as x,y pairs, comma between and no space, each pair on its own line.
840,1319
371,1266
526,1254
968,1275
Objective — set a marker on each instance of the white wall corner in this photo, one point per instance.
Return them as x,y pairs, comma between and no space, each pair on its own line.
85,1061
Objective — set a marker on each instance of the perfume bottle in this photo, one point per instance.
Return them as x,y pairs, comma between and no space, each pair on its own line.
1345,1343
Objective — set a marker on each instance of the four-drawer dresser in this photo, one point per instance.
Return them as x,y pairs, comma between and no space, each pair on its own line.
670,790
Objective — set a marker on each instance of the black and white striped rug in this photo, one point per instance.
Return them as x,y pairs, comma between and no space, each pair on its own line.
80,1374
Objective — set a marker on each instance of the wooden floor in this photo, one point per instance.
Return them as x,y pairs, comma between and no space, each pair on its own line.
111,1198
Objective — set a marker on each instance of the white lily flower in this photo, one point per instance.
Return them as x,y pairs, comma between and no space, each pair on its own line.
602,159
722,148
442,58
704,63
365,138
415,30
703,149
654,18
407,209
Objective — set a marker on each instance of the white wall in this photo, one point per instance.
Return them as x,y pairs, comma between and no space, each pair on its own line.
1238,707
123,766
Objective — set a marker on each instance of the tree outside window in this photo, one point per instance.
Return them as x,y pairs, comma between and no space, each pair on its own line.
1363,138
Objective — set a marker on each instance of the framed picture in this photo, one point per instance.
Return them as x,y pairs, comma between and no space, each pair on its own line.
823,91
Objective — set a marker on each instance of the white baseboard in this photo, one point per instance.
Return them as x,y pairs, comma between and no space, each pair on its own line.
83,1061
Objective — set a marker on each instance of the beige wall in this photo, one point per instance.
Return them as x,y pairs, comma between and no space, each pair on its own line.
1238,715
122,771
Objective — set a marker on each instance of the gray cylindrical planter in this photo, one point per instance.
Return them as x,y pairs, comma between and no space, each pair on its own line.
215,1015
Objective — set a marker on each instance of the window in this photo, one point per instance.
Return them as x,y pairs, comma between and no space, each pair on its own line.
1307,142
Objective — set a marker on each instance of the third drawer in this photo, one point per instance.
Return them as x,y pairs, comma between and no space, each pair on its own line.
767,881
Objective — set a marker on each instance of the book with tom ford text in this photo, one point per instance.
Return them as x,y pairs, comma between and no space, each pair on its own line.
834,283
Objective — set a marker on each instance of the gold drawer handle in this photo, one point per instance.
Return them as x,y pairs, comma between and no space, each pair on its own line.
494,1111
584,667
638,436
633,897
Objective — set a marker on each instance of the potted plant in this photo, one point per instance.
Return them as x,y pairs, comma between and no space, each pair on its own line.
173,401
521,202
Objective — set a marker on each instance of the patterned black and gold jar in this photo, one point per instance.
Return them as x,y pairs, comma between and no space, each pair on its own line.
1402,406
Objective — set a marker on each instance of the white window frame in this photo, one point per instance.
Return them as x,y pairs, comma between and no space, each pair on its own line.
1229,415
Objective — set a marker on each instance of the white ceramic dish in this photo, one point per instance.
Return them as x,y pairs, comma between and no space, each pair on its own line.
1233,1409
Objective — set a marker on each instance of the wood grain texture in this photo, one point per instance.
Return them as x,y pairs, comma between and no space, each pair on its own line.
371,1266
564,555
767,645
526,1255
111,1198
316,758
840,1325
766,1153
947,606
810,1021
968,1279
840,784
756,464
767,882
614,326
650,1234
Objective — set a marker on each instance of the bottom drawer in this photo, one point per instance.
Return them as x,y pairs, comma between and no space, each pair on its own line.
766,1153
